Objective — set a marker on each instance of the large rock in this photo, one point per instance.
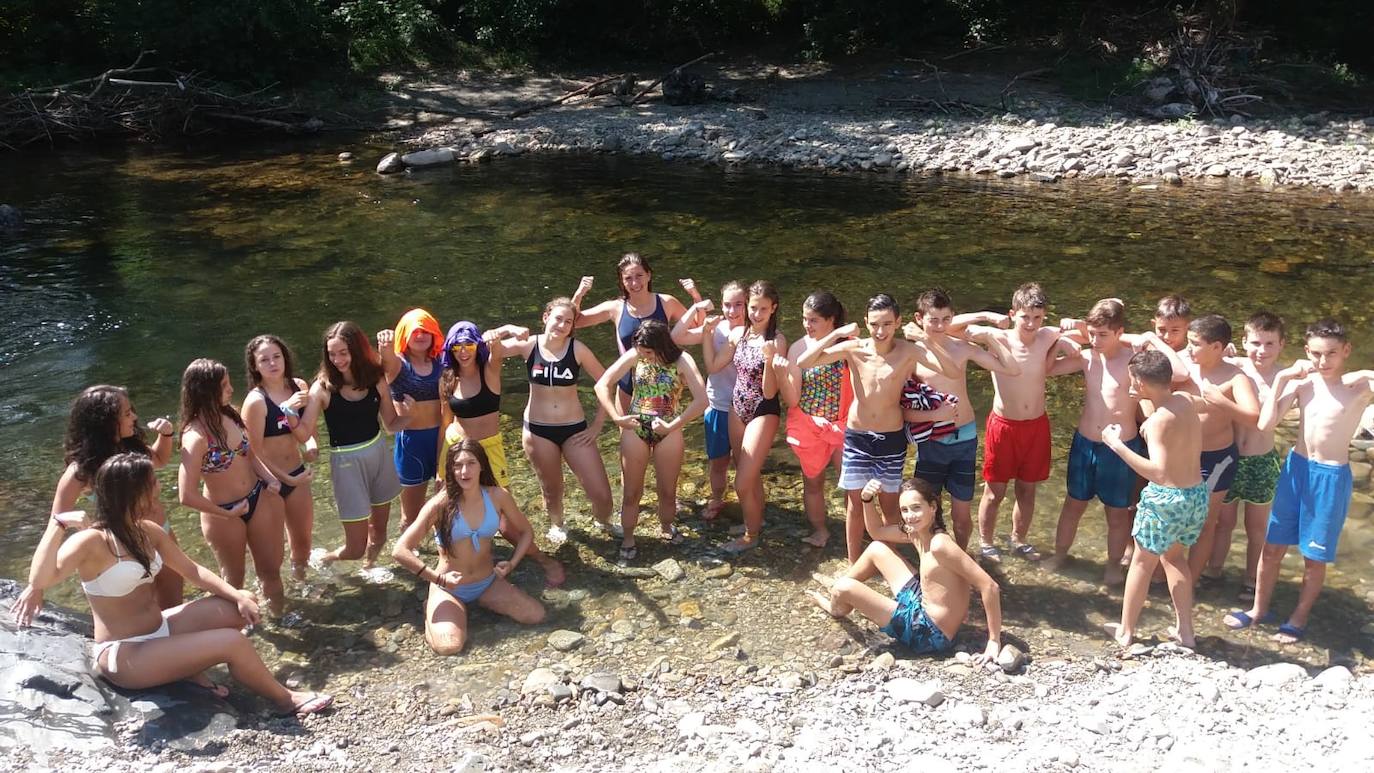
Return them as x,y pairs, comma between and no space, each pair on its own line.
390,164
1274,674
50,700
906,690
429,157
670,570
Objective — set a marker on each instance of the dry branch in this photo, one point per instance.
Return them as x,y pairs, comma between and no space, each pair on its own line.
574,93
665,75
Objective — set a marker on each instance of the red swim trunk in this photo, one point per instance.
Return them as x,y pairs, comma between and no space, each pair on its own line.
1016,449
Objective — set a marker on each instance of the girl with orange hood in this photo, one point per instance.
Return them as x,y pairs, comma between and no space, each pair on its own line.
410,360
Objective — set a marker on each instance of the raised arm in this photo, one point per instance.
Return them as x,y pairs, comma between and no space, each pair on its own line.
771,351
386,347
974,325
601,312
1282,395
994,359
830,348
1176,362
497,338
690,328
1244,408
162,446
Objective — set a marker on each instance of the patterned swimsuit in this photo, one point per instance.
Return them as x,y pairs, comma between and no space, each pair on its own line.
748,400
820,391
657,389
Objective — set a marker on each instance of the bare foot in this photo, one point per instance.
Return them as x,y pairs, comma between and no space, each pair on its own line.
1119,635
218,690
713,507
1190,642
744,543
554,575
817,538
1113,575
1055,562
302,703
824,580
823,602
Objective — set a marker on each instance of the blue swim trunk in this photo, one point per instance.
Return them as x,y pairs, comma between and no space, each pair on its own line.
950,461
417,456
871,455
1219,468
1167,515
910,624
1310,506
717,433
1096,471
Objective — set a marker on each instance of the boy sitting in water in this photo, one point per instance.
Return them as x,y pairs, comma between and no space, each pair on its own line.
932,601
1173,505
1315,483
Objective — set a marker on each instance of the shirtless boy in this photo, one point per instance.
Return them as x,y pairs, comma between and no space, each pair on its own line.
1173,505
874,441
1094,469
1315,484
1017,437
949,460
1230,402
1173,314
1257,472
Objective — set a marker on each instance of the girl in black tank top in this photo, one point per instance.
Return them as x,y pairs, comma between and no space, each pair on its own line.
351,422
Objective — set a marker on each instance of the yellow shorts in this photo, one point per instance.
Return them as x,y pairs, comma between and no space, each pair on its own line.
496,454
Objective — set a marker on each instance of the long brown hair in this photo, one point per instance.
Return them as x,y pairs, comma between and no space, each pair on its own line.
454,492
765,289
633,259
93,429
250,355
364,365
202,390
122,487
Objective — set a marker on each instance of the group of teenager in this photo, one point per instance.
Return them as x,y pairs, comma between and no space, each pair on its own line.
1176,434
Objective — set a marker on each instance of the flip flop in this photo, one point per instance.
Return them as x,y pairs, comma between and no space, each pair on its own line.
1243,619
216,689
316,703
990,552
1026,551
629,554
1293,633
673,537
741,545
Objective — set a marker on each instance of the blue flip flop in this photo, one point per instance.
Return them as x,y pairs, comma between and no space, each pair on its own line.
1245,621
1293,632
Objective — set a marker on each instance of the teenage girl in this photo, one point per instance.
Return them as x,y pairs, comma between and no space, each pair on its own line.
470,391
637,303
348,390
138,646
240,504
101,424
410,359
720,386
658,370
463,518
556,427
818,400
271,412
754,351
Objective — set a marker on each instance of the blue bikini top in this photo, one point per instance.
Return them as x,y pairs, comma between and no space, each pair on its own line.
491,522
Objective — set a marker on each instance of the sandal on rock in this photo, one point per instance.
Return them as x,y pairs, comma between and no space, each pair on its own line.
628,554
1240,619
673,536
990,552
316,703
1290,634
1025,550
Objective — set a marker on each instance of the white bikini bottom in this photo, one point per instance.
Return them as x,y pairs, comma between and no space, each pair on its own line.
112,647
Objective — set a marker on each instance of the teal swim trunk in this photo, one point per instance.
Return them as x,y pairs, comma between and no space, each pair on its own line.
1257,477
1167,515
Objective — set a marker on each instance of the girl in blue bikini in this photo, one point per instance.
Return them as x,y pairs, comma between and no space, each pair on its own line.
464,518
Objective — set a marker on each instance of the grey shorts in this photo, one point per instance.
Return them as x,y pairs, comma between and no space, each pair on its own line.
363,475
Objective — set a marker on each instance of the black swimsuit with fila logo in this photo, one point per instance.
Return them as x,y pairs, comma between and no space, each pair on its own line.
559,373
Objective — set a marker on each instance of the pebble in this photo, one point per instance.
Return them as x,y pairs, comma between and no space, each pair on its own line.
670,570
565,640
968,714
602,681
883,662
538,681
728,640
906,690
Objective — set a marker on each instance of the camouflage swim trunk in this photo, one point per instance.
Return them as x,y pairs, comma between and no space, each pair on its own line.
1256,478
1167,515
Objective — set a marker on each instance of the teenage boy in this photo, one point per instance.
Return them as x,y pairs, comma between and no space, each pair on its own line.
1094,470
1230,401
1173,314
1016,443
1173,504
874,439
1315,483
1257,472
949,461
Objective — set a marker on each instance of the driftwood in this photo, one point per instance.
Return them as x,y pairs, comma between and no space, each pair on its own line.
571,94
661,78
140,101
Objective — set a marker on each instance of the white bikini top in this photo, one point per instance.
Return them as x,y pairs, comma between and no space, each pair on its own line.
122,577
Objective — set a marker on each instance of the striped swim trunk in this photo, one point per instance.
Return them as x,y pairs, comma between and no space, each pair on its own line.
869,455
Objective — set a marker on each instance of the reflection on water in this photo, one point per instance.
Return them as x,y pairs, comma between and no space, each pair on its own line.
136,262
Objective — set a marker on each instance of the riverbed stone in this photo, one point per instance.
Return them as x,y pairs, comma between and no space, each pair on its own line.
430,157
670,570
539,680
1334,678
1274,674
907,690
565,640
601,681
390,164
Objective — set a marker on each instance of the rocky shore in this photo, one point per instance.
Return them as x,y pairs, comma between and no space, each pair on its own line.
1050,141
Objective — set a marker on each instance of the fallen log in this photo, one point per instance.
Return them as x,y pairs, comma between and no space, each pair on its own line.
660,79
562,99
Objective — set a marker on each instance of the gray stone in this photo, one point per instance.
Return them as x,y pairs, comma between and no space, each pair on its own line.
1218,170
906,690
345,156
1095,724
670,570
1274,674
390,164
472,762
611,143
1334,678
601,681
883,662
430,157
691,724
565,640
728,640
1044,177
1209,692
561,692
968,714
1011,658
539,680
1173,178
1123,159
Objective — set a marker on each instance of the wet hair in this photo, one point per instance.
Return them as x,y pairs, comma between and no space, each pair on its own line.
1108,313
1173,307
765,289
202,388
930,492
1029,296
626,261
364,364
563,301
655,336
93,431
1152,367
934,298
443,530
827,305
1266,322
884,302
1212,328
1326,327
250,354
122,487
731,286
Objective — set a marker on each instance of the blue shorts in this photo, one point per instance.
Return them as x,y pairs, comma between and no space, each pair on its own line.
950,461
910,624
417,456
1310,506
1096,471
871,455
717,433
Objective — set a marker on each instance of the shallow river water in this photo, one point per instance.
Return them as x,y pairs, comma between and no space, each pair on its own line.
137,261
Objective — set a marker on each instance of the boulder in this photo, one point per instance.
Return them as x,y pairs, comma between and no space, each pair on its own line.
430,157
390,164
1274,674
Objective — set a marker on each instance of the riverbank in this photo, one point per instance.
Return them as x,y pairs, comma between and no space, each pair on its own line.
810,117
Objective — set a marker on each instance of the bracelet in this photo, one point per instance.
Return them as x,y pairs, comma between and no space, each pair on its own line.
867,499
167,434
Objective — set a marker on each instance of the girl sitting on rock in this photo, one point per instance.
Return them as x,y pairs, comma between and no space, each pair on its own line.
137,645
464,518
931,602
